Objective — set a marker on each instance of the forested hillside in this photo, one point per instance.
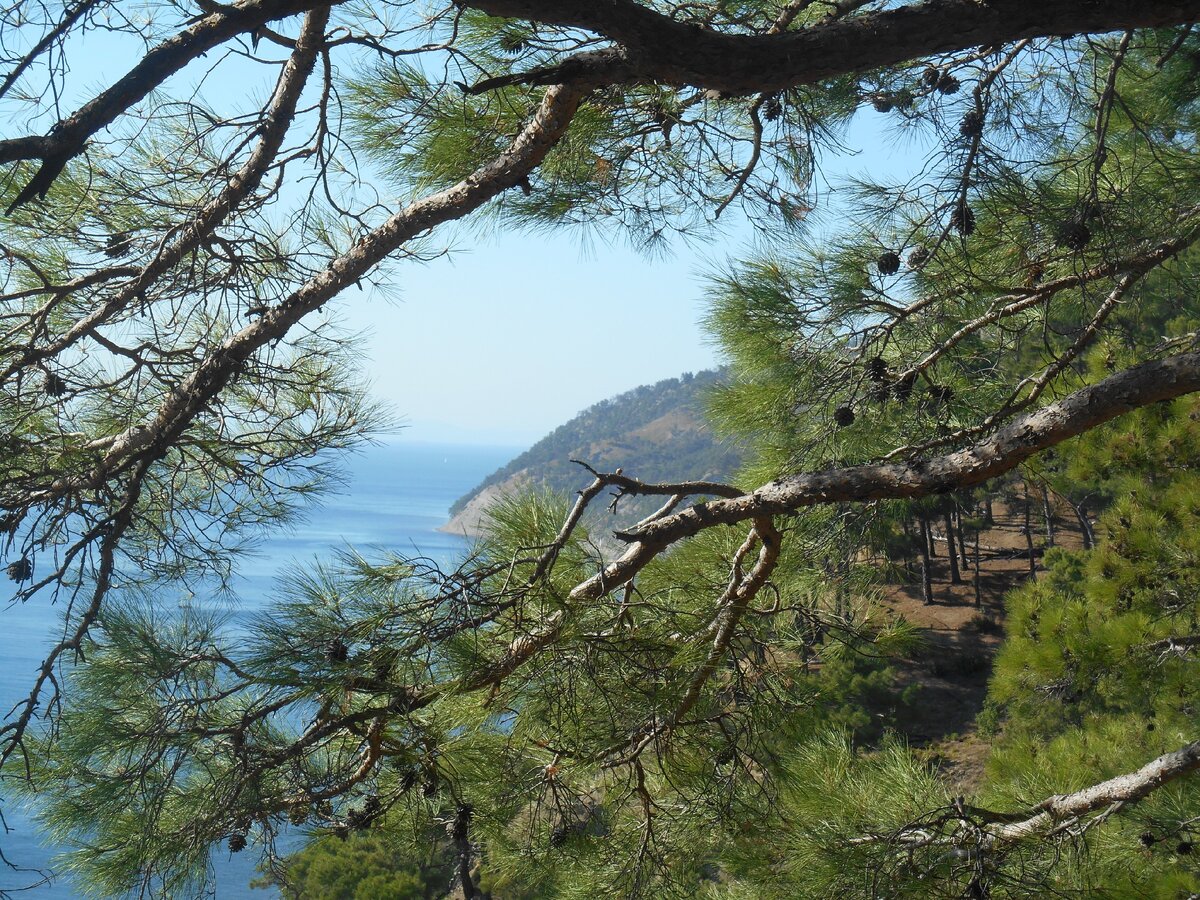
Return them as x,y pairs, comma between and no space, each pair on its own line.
657,432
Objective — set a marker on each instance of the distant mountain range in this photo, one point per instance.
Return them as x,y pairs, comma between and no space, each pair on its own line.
655,432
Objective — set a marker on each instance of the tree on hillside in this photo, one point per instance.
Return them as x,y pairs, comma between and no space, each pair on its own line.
174,260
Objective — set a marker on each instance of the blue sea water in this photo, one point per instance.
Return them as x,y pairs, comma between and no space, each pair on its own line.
395,498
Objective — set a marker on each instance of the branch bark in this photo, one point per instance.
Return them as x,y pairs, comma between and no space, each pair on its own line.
655,47
1123,789
1007,448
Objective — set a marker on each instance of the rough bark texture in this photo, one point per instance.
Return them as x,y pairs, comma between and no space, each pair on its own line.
656,47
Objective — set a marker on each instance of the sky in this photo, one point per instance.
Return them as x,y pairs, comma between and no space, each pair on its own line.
507,339
513,335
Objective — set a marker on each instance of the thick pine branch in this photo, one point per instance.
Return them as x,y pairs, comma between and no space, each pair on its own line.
1064,809
181,407
1142,385
654,47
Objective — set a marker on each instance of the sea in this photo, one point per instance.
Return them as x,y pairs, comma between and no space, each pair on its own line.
395,497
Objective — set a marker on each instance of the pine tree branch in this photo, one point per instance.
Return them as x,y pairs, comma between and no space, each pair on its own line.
67,138
1066,809
1142,385
180,408
277,119
655,47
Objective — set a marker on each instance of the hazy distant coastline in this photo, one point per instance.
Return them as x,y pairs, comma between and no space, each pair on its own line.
655,432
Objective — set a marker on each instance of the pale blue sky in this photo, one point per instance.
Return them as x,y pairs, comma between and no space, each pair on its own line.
512,336
508,339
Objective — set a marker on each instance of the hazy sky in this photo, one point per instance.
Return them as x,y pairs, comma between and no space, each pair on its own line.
508,339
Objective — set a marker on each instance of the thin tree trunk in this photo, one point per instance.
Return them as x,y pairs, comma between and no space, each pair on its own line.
978,588
927,530
962,537
951,550
1085,524
908,542
1028,529
1048,512
988,517
926,575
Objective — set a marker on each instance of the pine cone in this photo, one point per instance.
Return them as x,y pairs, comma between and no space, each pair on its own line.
941,393
947,84
117,245
843,416
962,220
54,385
1033,274
21,570
1074,235
972,124
888,263
918,256
877,368
882,103
336,651
772,108
237,842
931,76
512,43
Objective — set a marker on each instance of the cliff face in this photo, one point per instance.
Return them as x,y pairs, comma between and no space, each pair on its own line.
655,432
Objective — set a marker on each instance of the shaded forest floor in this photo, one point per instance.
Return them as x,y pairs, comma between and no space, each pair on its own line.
961,639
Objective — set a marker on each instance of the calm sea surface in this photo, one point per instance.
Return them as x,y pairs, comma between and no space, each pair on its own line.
396,497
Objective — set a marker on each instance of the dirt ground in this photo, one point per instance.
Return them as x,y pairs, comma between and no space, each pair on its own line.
962,638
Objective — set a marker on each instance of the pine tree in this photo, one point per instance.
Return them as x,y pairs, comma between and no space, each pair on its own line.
575,721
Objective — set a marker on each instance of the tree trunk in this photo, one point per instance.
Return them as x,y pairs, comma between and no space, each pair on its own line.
1048,512
927,530
1085,524
926,575
988,517
962,537
978,588
1028,529
951,550
908,542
